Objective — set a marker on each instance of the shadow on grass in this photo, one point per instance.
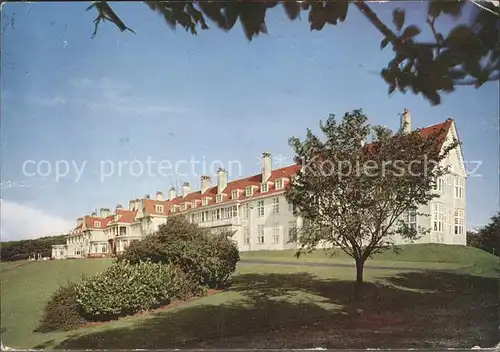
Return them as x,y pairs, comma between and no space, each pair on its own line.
415,309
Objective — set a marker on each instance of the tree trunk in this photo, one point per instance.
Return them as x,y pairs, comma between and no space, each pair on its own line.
359,271
359,279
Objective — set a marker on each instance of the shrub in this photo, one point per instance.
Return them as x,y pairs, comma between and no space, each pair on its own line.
207,258
126,289
62,312
222,257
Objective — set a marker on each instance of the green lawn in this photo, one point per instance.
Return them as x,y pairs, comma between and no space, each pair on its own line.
421,256
278,307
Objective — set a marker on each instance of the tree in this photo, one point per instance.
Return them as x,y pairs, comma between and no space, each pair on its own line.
488,237
468,55
352,195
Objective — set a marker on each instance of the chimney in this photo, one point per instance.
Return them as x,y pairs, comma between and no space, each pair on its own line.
147,196
221,180
159,196
104,212
186,188
79,222
119,206
206,183
131,204
172,193
266,166
405,121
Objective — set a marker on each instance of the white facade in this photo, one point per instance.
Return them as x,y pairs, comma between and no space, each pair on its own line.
256,210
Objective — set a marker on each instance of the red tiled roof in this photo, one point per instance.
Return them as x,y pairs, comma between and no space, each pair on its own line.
255,180
90,220
150,206
444,127
124,216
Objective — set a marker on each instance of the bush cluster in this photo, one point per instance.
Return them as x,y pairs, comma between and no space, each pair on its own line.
62,311
208,258
179,261
126,289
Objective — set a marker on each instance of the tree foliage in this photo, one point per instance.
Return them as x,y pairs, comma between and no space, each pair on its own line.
488,237
23,249
468,55
353,195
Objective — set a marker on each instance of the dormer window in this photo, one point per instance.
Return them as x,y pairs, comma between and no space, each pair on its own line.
263,187
159,208
279,183
219,198
234,194
97,224
249,191
193,204
205,201
183,206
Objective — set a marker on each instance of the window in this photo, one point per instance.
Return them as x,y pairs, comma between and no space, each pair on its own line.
459,187
246,211
276,233
246,235
459,222
234,194
104,248
279,183
263,187
260,208
438,218
219,198
276,205
204,216
260,234
292,231
205,201
159,208
97,224
440,185
216,214
249,190
409,217
234,211
183,206
227,213
291,207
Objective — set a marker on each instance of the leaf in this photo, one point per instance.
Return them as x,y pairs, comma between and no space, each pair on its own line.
432,96
410,32
398,18
292,9
435,8
384,43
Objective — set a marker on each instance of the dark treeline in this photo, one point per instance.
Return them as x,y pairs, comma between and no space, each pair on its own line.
19,250
488,237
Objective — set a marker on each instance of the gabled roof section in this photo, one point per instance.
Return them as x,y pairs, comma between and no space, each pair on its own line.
90,222
124,216
150,206
444,127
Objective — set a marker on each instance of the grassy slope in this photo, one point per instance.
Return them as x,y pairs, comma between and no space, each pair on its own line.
26,288
265,296
429,256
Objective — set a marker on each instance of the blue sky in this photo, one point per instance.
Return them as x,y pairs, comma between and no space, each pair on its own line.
168,95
